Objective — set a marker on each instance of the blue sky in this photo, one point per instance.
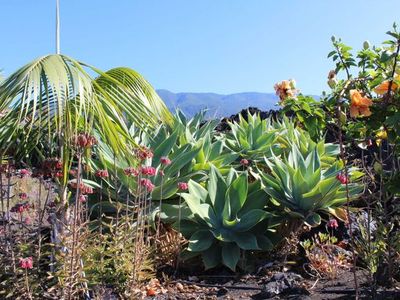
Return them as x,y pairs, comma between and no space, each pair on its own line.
222,46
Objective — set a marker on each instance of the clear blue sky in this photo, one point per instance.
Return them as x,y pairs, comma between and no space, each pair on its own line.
222,46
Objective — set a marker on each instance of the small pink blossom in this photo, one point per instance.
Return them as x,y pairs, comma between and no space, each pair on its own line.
84,140
244,162
86,189
23,196
131,171
143,153
165,161
82,198
101,173
183,186
59,174
149,171
26,263
19,208
147,184
342,178
332,223
24,172
161,173
58,165
27,220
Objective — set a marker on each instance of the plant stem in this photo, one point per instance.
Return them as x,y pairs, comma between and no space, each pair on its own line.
343,157
74,225
27,284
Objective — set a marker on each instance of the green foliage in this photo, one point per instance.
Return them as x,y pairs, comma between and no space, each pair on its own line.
222,219
109,258
252,139
307,112
302,188
290,134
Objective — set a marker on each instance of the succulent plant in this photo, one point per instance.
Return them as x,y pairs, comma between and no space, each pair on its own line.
252,139
223,219
302,188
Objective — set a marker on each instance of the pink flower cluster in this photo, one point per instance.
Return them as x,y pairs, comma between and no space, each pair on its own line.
183,186
101,173
342,178
26,263
143,153
165,161
147,184
148,171
23,196
244,162
20,208
24,173
84,140
332,223
131,171
85,189
51,167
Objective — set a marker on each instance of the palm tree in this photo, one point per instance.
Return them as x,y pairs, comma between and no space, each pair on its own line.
50,100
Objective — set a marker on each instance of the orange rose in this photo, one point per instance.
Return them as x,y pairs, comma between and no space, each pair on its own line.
359,105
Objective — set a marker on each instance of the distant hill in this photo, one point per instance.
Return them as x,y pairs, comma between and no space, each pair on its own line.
218,105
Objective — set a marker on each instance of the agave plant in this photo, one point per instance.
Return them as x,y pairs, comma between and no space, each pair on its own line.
223,219
303,189
289,134
252,139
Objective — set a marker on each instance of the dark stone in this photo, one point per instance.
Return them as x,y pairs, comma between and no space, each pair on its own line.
284,283
222,291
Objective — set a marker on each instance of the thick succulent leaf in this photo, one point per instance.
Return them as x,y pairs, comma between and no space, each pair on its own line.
265,243
169,212
180,161
197,191
212,257
164,148
250,219
216,190
187,227
237,193
169,187
230,255
200,241
245,241
256,200
232,175
202,210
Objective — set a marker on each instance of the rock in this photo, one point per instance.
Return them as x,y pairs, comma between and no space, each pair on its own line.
222,291
180,287
283,283
193,278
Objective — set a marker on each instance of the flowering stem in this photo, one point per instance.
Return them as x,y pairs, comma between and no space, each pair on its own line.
116,187
74,224
27,284
159,214
179,232
101,208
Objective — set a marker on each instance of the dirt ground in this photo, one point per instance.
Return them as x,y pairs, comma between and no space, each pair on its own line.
253,287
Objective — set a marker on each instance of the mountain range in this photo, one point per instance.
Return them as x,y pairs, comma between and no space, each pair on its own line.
217,105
